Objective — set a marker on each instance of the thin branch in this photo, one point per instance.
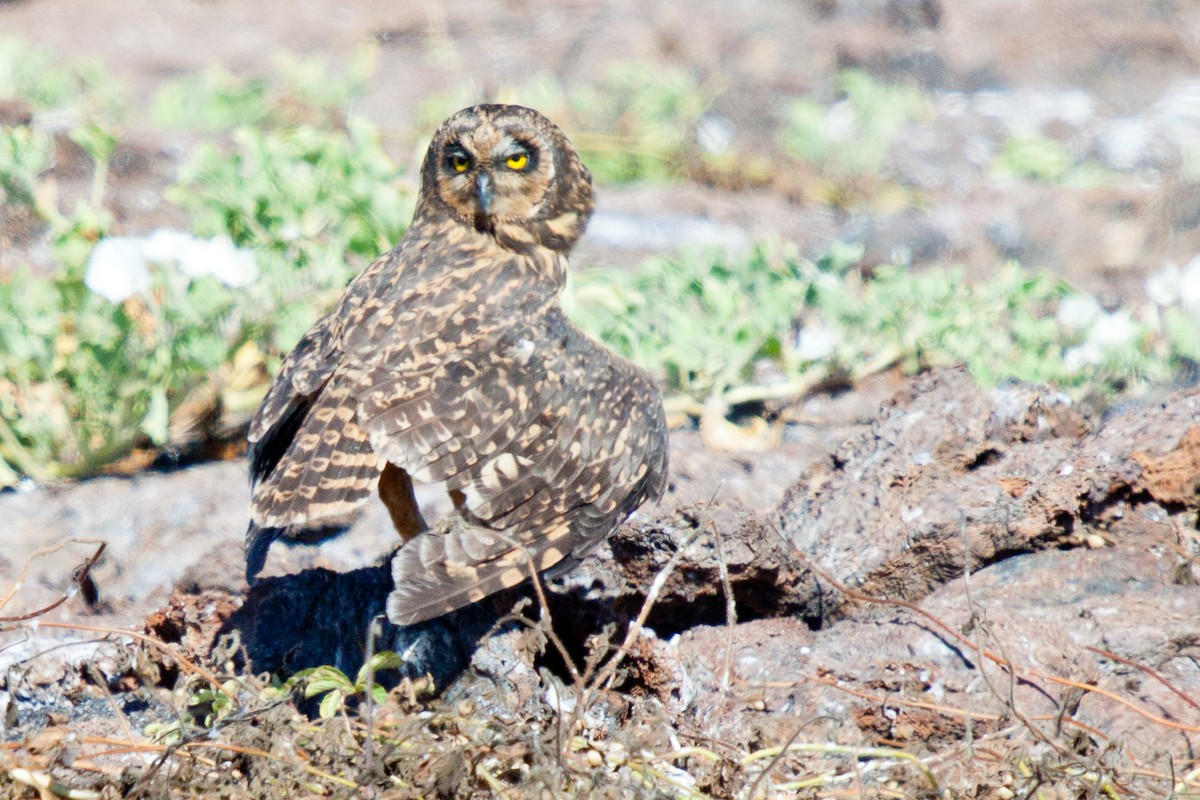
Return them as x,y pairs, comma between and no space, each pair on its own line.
184,663
730,605
80,574
608,671
112,703
1025,672
547,621
761,776
1127,662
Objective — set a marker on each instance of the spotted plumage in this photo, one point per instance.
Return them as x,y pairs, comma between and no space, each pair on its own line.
449,360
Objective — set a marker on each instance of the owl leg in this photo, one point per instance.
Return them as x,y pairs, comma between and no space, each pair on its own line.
396,492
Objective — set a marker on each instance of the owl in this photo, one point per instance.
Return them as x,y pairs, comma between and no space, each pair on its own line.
450,361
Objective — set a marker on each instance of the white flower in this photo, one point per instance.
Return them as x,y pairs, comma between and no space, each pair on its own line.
1078,312
815,343
220,258
1189,288
1076,359
1109,333
117,268
1163,286
165,246
120,265
1113,331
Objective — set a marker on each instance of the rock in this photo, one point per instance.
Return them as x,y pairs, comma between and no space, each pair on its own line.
950,479
889,675
611,585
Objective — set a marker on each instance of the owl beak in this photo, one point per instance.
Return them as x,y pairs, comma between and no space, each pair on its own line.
483,187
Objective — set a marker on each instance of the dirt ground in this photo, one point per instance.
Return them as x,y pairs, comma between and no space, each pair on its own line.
1002,583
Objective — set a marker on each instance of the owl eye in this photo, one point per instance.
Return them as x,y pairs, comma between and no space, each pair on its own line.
518,161
458,161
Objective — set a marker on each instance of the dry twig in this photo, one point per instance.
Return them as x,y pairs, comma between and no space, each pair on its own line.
79,579
1024,673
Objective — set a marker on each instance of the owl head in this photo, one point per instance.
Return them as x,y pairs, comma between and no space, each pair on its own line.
508,171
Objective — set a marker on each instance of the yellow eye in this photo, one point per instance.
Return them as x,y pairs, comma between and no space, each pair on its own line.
459,162
517,160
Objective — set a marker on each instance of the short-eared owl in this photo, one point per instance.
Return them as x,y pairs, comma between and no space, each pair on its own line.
449,360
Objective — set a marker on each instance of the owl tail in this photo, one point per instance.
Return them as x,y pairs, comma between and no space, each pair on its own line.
456,564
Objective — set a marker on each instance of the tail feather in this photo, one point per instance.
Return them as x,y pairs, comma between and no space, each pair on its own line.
461,562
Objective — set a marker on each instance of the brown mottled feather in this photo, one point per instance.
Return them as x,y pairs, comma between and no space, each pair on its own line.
450,360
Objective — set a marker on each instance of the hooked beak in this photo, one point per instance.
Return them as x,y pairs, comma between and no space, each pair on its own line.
483,187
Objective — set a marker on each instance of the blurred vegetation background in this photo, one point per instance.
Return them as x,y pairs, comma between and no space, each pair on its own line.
123,337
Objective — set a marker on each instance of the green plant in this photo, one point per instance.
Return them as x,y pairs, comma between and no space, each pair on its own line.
306,90
853,136
313,204
337,688
58,404
82,92
82,379
711,324
41,78
25,154
1034,157
212,100
723,314
25,157
210,705
303,192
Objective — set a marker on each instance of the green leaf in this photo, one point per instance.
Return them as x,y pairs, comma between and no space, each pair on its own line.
96,140
324,679
1183,332
331,704
158,417
854,135
8,475
385,659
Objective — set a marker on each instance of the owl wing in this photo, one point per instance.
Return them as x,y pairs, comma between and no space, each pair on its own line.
312,464
309,464
551,440
305,371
